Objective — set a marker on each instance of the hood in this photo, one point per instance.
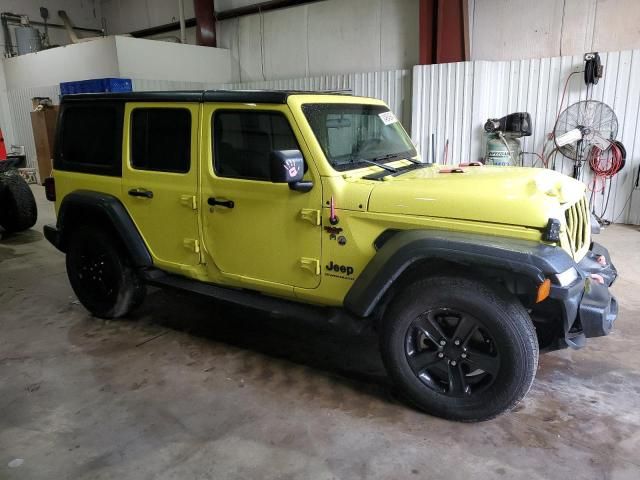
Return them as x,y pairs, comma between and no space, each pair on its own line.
506,195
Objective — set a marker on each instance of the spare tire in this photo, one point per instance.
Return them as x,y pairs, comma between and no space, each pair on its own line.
18,209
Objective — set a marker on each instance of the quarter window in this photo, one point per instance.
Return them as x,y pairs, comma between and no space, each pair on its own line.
243,140
161,139
90,139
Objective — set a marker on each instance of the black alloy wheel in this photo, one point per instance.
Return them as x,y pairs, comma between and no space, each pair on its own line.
459,347
452,352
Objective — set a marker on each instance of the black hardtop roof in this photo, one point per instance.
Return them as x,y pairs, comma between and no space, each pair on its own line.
235,96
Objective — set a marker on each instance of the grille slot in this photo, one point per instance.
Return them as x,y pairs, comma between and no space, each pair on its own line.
577,217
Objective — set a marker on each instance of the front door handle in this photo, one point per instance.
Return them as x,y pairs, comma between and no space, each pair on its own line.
141,192
222,203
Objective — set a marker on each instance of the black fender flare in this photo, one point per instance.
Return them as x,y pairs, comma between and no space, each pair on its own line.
401,249
80,205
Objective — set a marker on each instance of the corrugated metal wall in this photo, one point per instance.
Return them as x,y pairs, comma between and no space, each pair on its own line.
20,107
452,101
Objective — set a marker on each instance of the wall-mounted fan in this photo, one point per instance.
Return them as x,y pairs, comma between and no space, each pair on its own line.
583,125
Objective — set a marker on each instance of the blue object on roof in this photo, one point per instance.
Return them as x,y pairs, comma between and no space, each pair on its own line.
97,85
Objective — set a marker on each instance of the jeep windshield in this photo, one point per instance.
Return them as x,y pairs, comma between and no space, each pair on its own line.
354,136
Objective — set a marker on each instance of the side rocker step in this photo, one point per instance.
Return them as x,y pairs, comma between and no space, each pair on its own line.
325,316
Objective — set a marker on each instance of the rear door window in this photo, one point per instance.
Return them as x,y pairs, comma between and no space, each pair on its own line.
161,139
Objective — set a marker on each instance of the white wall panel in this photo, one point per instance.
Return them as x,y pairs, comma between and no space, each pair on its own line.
452,101
95,59
505,29
124,16
338,36
508,29
155,85
223,5
138,58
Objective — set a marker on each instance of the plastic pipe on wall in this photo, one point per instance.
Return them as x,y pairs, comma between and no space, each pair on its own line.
183,28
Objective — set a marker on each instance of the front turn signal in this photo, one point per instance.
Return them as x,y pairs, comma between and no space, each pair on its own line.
543,290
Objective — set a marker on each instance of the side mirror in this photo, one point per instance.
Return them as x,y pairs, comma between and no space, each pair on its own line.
287,166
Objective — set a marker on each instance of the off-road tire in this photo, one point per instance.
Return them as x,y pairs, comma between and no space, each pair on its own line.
101,273
18,209
497,313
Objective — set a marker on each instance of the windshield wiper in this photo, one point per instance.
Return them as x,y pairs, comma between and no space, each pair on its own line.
415,165
392,170
399,156
377,163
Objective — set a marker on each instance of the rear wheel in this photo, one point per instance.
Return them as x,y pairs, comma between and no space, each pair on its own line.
18,209
458,348
101,273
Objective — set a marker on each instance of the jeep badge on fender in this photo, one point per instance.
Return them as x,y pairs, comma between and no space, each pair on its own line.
317,201
348,271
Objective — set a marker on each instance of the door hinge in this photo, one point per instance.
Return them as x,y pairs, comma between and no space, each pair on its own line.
191,244
311,264
189,201
310,215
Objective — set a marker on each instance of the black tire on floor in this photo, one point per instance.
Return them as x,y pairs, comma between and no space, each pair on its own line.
101,273
18,209
459,349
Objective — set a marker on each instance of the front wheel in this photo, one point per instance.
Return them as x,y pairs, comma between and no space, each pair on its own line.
459,349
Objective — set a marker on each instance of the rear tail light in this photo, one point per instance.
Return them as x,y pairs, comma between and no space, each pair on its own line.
50,189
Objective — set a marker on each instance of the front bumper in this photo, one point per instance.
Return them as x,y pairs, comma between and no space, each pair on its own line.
588,308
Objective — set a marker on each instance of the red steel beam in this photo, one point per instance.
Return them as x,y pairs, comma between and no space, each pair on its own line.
442,31
450,43
205,22
427,31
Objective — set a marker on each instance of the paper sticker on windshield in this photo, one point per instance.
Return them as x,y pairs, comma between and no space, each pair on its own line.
388,117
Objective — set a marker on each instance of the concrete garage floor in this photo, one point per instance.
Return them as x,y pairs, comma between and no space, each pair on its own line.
192,388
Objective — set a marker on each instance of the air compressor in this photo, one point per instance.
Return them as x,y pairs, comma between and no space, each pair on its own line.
502,138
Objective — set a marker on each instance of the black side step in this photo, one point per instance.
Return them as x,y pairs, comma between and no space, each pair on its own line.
327,316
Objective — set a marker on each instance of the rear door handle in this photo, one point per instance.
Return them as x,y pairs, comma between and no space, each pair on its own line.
222,203
141,192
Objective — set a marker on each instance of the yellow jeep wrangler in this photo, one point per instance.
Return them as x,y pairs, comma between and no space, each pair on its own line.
318,206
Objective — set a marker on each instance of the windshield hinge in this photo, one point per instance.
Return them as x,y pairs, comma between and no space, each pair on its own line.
310,264
310,215
191,244
189,201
